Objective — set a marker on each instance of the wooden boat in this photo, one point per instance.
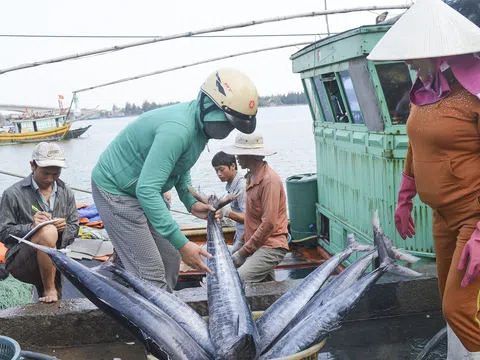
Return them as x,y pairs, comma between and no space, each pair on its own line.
75,133
36,129
299,256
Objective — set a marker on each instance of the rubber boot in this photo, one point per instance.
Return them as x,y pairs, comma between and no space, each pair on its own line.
456,350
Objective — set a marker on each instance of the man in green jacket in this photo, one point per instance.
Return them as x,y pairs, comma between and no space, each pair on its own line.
152,155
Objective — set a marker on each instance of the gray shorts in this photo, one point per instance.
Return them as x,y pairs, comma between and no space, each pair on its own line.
142,251
260,266
23,266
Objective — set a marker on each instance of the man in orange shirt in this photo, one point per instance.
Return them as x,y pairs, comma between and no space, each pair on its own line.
265,212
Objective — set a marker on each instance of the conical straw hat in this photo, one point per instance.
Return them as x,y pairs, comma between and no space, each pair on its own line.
429,29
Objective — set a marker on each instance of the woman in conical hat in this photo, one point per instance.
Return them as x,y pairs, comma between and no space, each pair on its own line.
443,159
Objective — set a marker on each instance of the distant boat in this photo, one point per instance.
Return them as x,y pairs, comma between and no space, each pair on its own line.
49,127
75,133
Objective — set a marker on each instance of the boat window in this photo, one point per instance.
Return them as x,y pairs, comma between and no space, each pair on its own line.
311,98
331,98
25,126
355,110
322,95
46,124
396,84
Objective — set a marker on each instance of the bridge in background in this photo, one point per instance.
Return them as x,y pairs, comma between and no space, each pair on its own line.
21,108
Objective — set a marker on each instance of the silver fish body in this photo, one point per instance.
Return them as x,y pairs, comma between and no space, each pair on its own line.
179,311
158,332
328,317
232,328
320,323
271,323
334,288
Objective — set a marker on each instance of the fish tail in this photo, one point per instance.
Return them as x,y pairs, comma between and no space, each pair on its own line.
357,246
385,254
198,195
227,199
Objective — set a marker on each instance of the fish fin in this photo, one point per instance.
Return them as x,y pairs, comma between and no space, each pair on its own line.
356,246
403,271
203,283
238,325
227,199
198,195
383,244
36,246
404,256
107,266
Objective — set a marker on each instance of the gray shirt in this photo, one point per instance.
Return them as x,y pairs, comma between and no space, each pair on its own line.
238,184
16,213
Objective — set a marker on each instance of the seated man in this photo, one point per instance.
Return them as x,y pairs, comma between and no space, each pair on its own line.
265,212
39,197
226,168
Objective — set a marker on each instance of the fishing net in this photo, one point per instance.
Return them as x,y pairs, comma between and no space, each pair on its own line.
14,293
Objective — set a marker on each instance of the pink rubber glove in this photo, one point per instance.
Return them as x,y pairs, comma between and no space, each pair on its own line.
471,251
403,213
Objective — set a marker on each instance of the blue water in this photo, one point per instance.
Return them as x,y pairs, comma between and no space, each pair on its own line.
287,129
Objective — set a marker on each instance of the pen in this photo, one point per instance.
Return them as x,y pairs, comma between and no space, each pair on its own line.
34,208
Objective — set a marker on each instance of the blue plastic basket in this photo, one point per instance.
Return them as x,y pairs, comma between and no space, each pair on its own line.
9,349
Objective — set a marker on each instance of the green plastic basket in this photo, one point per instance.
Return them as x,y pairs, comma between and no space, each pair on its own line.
9,349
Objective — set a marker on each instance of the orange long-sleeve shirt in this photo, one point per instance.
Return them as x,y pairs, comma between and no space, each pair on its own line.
444,148
266,218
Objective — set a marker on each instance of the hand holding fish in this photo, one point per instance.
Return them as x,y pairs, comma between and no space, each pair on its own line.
238,260
471,255
223,212
190,253
200,210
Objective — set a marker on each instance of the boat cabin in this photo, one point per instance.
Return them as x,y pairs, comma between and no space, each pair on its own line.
359,110
41,124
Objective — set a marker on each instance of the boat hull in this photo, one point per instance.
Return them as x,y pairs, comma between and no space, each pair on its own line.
75,133
32,137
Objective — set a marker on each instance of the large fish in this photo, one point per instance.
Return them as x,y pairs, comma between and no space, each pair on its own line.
179,311
334,288
320,323
271,323
231,325
347,277
158,332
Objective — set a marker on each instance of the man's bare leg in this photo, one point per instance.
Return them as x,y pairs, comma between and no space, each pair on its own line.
47,236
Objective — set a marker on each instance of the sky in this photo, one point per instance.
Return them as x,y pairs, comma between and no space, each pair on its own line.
270,71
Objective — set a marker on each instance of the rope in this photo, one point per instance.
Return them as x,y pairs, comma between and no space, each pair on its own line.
81,190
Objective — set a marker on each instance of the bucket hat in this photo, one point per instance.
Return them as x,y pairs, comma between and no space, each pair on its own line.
248,144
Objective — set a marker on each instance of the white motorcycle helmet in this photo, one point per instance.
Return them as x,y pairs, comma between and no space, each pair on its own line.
234,93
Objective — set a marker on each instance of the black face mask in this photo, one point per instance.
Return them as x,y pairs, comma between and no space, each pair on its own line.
217,129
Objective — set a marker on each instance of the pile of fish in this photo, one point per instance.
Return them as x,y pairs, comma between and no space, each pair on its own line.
170,329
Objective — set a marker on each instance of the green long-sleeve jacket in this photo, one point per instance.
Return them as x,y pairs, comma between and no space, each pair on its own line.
152,155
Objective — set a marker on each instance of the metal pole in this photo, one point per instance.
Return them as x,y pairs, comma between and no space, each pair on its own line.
326,18
189,65
197,32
